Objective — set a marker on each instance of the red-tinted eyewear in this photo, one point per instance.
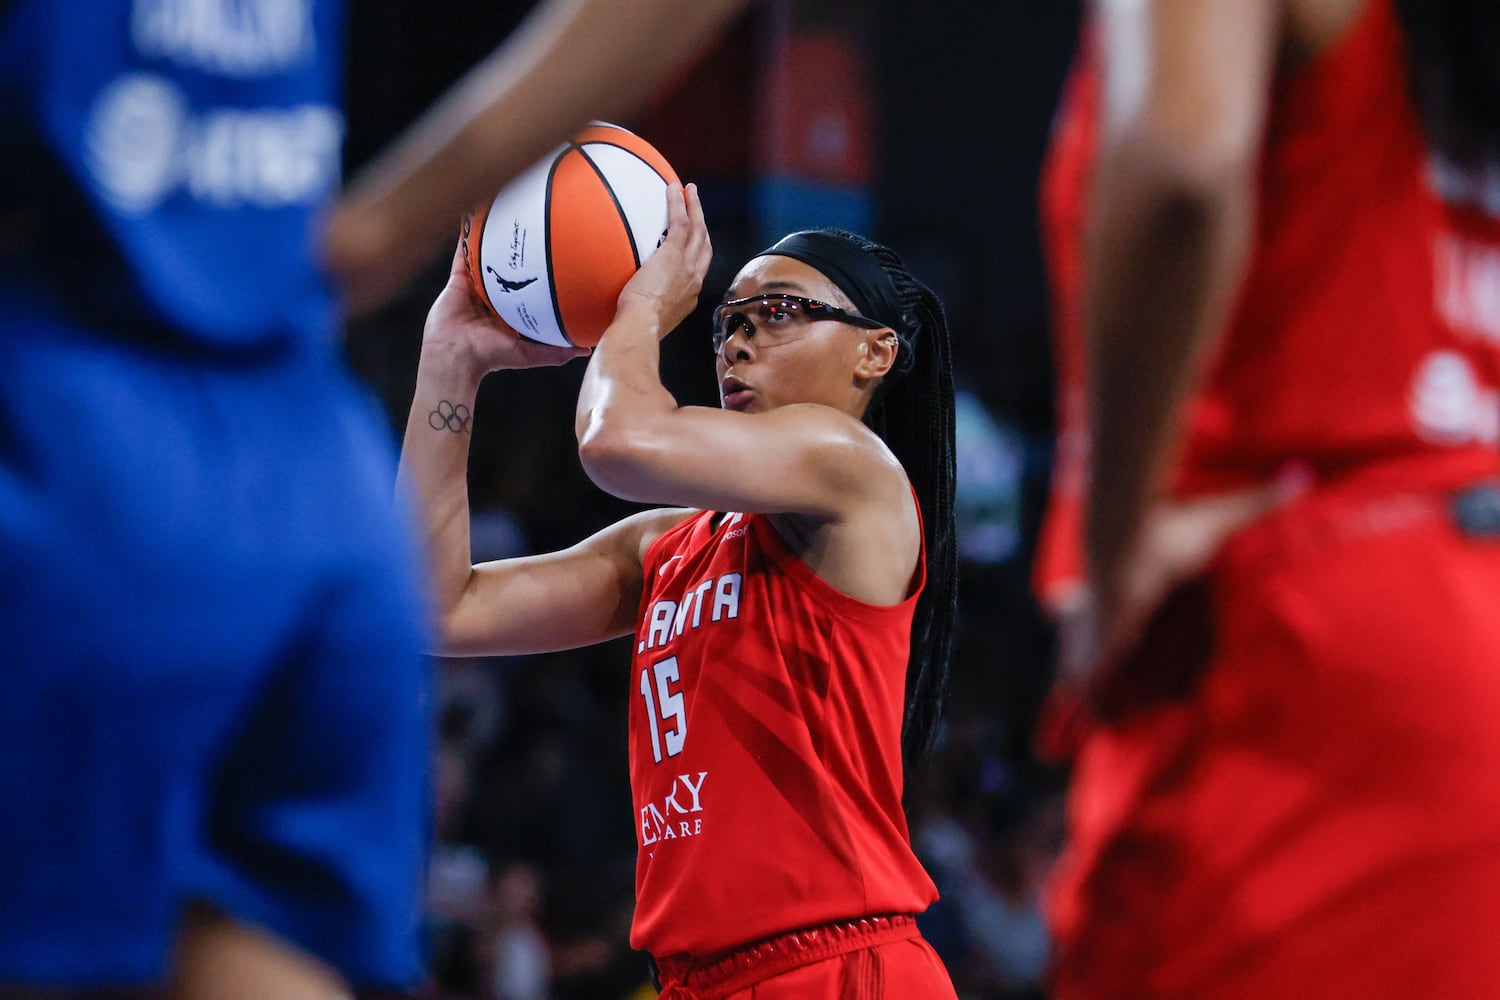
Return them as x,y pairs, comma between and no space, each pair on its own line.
778,314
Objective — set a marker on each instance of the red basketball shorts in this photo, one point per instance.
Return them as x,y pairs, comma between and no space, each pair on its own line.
1319,814
880,958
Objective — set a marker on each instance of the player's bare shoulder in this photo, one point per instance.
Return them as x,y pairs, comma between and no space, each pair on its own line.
646,527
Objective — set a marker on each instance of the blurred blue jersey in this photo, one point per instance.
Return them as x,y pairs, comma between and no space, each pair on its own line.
171,158
210,623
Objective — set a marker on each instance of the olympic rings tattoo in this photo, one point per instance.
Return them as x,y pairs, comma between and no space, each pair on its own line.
450,417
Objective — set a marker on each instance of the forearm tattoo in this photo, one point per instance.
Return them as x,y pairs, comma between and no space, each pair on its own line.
452,417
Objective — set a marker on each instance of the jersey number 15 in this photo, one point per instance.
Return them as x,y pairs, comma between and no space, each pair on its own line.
663,706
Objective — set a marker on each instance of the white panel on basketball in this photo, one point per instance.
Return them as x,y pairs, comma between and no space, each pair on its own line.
513,256
638,188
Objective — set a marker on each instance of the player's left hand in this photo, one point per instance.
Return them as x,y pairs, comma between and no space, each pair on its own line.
1178,542
460,323
668,284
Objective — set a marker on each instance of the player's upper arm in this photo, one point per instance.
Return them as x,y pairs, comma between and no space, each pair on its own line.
797,459
561,600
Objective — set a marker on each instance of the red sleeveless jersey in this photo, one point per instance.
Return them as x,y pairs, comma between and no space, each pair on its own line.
765,745
1365,341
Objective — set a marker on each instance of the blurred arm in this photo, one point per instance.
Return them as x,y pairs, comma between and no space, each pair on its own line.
1186,87
571,61
217,958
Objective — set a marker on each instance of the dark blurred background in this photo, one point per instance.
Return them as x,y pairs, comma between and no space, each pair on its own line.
922,125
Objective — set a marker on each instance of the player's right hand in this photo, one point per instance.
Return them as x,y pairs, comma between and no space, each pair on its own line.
458,320
668,284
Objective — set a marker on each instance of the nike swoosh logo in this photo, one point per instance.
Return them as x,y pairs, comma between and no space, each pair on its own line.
663,570
508,286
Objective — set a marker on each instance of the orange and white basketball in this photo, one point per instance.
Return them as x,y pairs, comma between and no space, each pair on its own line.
551,253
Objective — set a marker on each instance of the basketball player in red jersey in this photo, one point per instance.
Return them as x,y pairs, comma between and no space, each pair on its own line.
791,630
1274,230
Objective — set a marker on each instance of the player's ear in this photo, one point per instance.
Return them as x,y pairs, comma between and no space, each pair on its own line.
878,350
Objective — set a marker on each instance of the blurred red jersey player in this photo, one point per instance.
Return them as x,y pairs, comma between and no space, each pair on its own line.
1274,541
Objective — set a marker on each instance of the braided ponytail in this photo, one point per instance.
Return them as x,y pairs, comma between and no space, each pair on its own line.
913,412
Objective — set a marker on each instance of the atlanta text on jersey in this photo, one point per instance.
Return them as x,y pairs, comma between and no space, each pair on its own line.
668,619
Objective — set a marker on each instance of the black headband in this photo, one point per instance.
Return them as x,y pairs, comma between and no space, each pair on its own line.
856,273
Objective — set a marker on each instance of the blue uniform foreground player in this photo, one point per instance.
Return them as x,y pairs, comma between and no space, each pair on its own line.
209,627
213,742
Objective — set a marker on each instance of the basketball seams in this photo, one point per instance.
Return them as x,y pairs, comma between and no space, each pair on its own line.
626,149
605,134
562,326
635,251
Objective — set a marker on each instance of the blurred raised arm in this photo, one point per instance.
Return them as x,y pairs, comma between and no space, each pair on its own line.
1186,90
571,61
